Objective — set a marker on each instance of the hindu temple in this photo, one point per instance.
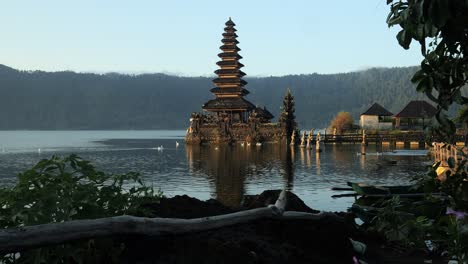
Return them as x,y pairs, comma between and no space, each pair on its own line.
231,118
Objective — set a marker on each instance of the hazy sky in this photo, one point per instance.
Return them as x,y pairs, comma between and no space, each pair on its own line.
183,37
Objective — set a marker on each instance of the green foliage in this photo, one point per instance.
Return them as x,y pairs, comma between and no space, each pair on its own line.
457,242
462,116
287,116
441,217
400,226
440,28
288,108
70,188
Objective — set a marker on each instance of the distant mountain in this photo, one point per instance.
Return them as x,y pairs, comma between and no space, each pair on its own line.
69,100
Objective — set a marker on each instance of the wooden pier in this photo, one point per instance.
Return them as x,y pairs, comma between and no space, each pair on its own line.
406,139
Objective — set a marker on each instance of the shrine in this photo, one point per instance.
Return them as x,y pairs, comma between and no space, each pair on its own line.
230,117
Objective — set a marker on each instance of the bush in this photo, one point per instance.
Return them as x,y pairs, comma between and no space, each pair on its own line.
70,188
342,121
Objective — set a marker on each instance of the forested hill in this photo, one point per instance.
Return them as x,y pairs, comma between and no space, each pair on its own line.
69,100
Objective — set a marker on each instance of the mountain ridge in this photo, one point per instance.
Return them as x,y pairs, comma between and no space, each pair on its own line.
70,100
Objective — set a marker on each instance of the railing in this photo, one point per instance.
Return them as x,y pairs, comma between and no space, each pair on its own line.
406,137
445,153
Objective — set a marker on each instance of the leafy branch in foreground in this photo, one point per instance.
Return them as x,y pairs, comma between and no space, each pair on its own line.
439,219
440,27
70,188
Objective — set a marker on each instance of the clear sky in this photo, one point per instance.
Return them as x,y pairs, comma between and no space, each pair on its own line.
183,37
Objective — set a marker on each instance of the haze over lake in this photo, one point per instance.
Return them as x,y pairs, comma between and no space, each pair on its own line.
224,173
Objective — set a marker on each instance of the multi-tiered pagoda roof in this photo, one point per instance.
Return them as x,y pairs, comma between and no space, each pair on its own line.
229,90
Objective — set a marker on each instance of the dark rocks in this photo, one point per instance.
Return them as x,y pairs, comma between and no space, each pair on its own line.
262,241
186,207
267,197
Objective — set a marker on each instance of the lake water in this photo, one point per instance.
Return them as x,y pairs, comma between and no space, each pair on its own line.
224,173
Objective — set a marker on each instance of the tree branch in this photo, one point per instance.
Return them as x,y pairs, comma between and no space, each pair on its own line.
22,238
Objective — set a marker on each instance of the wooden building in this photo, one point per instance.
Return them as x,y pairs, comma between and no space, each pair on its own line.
376,117
415,115
229,117
229,90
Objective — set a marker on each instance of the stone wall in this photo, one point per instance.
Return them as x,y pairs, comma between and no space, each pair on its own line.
221,131
372,122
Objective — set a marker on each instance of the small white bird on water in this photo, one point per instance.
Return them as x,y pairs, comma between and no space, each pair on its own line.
160,148
39,150
176,144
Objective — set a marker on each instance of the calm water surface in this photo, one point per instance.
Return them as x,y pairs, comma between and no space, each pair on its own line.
225,173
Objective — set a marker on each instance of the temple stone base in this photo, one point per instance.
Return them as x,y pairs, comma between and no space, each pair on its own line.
222,133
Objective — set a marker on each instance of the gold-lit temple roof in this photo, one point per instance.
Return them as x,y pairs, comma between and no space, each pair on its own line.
229,90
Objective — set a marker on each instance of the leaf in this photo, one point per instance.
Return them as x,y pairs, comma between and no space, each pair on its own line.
457,97
423,85
393,20
404,39
418,76
431,97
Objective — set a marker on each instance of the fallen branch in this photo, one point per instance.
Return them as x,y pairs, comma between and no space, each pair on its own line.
18,239
22,238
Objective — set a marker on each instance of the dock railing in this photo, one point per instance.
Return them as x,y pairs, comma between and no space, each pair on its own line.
445,153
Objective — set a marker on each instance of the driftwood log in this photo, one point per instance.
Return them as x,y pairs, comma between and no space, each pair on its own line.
22,238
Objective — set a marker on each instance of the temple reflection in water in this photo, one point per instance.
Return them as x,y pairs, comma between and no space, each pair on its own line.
227,167
234,171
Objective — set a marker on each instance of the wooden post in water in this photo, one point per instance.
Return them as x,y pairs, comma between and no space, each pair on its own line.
303,139
293,138
310,138
421,144
317,144
334,135
379,140
364,141
393,144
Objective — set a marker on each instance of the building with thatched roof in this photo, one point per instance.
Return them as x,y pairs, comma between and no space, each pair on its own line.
376,117
229,90
415,115
230,118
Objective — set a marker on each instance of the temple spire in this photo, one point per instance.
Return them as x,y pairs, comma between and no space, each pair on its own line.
229,90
